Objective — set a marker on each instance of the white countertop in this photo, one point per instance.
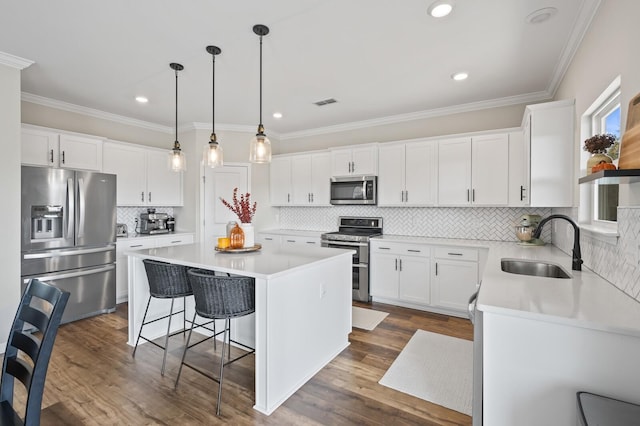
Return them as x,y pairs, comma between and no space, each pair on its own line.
267,263
585,300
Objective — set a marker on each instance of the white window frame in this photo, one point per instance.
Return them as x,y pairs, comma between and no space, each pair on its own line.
590,124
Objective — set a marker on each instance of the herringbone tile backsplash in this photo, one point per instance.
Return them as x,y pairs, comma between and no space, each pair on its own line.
617,263
477,223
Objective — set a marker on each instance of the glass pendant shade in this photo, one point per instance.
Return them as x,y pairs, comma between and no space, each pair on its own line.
212,155
260,149
177,160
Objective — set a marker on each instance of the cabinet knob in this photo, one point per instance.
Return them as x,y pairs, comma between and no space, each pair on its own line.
63,162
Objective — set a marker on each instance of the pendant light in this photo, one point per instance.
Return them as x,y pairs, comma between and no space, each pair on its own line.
177,161
212,155
260,148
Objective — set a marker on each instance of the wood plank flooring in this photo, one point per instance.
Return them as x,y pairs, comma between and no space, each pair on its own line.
93,380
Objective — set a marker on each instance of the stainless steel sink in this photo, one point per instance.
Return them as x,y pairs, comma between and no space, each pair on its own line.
532,267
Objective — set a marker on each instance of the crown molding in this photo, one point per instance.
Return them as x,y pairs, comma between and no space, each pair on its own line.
14,61
419,115
65,106
586,14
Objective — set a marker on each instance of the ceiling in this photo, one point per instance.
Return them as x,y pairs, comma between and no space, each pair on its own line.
380,59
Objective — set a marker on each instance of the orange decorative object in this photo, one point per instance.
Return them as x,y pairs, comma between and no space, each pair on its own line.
224,243
236,237
603,166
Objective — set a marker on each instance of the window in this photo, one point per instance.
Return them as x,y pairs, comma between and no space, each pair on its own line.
599,202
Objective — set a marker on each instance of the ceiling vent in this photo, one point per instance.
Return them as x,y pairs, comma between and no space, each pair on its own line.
325,102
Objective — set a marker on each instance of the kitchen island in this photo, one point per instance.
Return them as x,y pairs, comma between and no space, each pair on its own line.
303,308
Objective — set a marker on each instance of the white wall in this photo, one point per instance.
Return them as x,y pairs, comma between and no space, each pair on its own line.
10,196
608,49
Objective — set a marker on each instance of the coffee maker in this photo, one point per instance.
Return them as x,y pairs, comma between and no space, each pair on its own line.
527,224
153,223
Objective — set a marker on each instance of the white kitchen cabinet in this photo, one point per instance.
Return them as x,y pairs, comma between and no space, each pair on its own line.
300,240
310,175
139,243
143,176
358,160
400,272
474,171
517,170
455,277
547,156
280,181
49,147
300,180
407,174
268,240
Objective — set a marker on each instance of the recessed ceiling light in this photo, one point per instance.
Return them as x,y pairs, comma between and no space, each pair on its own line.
440,9
459,76
277,115
541,15
142,99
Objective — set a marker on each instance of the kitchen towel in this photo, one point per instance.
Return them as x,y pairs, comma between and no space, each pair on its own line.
436,368
367,319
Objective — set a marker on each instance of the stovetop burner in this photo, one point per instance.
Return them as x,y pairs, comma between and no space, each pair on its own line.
356,229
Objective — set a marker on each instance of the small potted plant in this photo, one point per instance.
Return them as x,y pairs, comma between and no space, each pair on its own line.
598,145
245,211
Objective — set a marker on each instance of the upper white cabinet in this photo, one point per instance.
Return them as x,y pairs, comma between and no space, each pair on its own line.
474,170
143,176
547,155
358,160
300,180
49,147
407,174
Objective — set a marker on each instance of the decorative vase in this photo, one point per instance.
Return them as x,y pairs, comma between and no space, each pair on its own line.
597,158
249,238
236,237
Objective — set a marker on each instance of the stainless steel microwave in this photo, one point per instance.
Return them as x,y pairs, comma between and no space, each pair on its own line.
354,190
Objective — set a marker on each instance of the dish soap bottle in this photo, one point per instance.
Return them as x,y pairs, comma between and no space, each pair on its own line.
237,237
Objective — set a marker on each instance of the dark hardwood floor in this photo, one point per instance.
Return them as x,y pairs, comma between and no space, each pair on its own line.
93,380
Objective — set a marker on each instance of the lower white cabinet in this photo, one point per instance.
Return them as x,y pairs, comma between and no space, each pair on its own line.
423,276
139,243
292,239
400,271
275,239
455,277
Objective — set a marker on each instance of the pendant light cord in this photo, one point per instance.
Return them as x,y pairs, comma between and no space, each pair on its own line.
261,81
213,96
176,110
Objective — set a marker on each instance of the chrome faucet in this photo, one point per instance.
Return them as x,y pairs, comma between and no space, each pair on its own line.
576,263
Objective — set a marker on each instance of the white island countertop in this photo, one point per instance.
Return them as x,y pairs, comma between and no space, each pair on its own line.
584,300
266,264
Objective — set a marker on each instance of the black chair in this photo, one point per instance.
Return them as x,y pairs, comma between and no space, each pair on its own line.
220,297
601,410
166,281
32,335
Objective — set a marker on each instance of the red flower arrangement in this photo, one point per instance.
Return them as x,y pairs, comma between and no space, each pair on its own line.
243,207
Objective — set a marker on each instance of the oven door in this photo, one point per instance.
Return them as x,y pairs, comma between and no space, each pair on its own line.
359,269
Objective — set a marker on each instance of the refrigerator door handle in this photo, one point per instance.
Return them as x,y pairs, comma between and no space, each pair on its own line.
73,274
67,252
70,208
81,207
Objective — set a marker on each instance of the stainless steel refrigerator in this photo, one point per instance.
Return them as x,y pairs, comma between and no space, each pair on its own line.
69,234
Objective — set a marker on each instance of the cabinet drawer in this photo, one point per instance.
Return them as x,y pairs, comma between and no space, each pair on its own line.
400,249
456,253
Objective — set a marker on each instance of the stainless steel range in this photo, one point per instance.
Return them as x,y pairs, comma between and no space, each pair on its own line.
354,233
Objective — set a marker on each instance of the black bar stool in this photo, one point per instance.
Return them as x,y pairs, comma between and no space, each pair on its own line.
219,297
166,281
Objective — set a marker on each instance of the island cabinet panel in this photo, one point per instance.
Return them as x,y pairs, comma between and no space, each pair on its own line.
407,174
143,176
41,146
